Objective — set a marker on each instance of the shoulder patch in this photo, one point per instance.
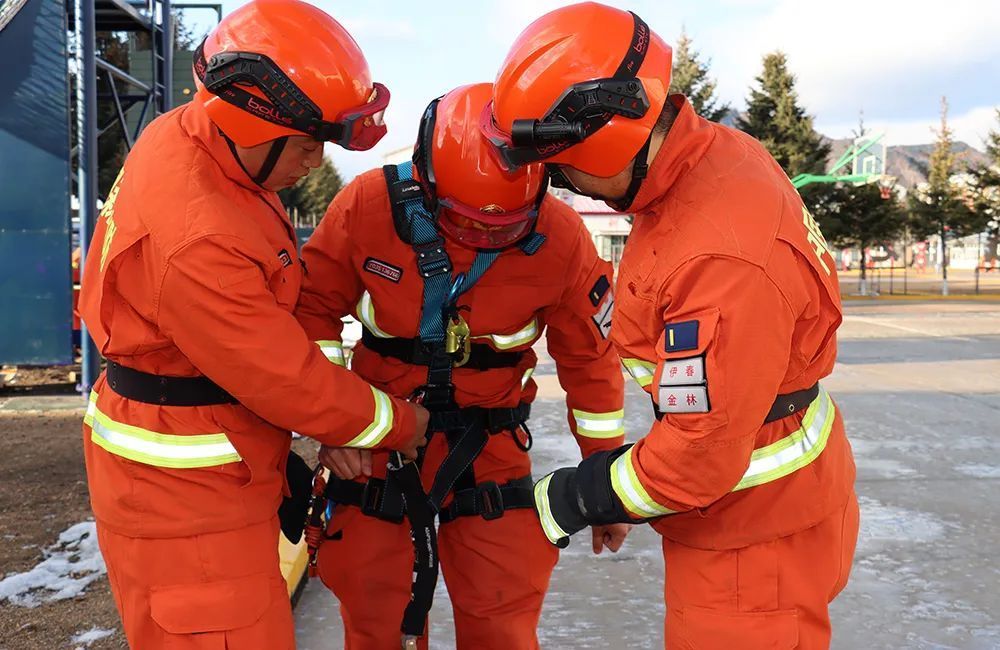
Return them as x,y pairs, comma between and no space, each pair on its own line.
383,269
678,337
599,289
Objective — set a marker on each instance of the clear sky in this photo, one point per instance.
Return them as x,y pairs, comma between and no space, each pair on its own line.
892,58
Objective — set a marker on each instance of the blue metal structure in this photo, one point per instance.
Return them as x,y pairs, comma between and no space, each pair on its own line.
35,283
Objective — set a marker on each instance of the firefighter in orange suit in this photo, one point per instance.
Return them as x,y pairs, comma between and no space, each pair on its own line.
728,307
188,293
543,275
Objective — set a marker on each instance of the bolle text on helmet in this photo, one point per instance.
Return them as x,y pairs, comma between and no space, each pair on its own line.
267,112
641,38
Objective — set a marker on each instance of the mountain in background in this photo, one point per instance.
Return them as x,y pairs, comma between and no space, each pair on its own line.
909,163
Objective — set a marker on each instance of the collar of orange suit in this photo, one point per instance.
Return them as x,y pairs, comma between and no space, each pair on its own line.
203,131
685,144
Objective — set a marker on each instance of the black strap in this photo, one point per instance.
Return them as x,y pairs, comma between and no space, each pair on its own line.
482,356
423,535
277,146
376,497
165,390
640,167
489,500
790,403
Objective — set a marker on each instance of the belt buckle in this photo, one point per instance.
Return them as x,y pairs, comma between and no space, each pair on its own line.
488,493
371,498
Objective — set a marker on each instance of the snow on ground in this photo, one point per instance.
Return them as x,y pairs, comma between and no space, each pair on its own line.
90,636
68,568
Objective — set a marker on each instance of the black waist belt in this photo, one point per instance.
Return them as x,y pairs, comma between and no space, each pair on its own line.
477,417
384,499
163,390
481,357
785,405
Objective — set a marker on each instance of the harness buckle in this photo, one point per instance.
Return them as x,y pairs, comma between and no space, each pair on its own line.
371,498
488,494
432,259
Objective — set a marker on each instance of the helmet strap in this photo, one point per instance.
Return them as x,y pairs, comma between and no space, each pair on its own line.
640,168
277,146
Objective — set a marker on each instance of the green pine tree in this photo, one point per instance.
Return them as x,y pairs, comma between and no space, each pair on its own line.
987,195
775,117
940,208
690,77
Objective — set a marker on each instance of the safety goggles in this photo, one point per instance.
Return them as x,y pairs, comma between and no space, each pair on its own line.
481,229
578,113
357,129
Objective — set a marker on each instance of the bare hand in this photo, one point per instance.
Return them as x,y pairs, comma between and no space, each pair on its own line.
611,537
423,416
346,463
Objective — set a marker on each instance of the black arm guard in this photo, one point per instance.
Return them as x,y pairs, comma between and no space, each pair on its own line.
595,497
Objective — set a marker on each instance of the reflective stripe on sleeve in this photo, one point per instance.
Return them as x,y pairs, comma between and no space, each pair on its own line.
381,423
641,371
630,491
600,425
552,529
526,377
157,449
333,350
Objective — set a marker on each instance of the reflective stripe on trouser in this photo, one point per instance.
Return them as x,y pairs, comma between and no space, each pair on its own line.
154,448
527,377
333,350
641,371
767,464
600,425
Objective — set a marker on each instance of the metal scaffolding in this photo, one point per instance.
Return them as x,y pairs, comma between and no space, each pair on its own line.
152,17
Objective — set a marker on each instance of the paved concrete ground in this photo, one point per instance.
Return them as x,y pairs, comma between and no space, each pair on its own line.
920,387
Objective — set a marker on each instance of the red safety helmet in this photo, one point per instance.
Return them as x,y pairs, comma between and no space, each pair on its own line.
276,68
478,204
582,86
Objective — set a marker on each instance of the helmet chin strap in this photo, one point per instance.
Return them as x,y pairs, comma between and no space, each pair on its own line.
639,170
277,146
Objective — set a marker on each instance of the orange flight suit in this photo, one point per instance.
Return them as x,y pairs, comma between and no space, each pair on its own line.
496,571
194,272
727,297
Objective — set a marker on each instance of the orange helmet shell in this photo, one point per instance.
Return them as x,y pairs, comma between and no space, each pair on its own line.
464,169
574,44
309,46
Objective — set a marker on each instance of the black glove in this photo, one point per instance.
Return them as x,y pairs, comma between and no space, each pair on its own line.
572,498
293,509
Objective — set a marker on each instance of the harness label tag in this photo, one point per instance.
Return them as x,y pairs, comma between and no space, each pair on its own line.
383,269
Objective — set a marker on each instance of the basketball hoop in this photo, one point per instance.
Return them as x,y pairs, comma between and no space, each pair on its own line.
885,185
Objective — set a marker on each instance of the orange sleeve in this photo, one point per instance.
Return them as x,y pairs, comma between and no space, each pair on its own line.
588,368
331,287
217,308
700,449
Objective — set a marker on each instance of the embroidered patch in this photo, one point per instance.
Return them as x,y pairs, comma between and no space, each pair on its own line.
602,319
286,259
683,399
683,372
383,269
678,337
599,289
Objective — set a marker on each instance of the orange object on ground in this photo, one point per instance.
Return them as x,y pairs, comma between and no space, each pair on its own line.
496,570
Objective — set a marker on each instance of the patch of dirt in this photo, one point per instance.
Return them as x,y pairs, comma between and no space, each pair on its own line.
43,491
